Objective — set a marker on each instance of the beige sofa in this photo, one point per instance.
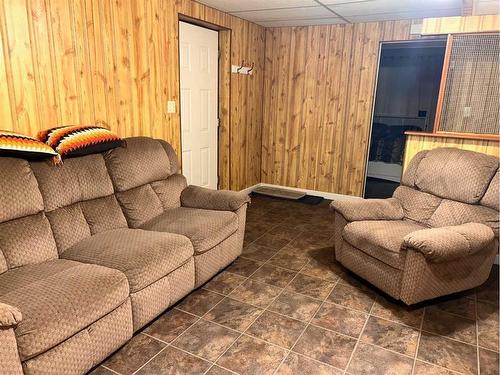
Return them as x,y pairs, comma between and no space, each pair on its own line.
437,235
93,250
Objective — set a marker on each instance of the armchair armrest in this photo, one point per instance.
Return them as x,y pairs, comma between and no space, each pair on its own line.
448,243
369,209
222,200
9,315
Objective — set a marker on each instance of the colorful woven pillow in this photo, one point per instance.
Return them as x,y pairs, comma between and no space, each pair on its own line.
78,140
22,146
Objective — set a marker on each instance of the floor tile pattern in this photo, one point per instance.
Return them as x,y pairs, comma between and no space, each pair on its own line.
285,307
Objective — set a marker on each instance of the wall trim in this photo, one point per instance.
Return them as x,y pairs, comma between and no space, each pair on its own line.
248,190
324,194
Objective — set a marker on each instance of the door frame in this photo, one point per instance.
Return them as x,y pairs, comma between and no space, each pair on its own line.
223,100
374,97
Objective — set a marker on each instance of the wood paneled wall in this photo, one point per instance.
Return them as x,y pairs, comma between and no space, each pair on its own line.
416,143
465,24
115,62
318,98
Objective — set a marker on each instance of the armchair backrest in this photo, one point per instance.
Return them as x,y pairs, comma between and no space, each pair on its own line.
449,186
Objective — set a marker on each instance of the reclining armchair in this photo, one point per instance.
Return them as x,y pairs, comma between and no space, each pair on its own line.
437,235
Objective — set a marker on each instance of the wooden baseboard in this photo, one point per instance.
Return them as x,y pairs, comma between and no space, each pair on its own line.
324,194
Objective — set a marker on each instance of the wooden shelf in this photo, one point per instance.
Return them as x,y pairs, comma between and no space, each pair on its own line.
489,137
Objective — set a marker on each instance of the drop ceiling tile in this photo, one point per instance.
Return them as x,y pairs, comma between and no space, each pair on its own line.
275,13
338,2
285,14
302,22
487,7
404,15
244,5
390,6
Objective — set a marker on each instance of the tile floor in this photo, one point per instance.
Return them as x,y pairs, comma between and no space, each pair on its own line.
284,307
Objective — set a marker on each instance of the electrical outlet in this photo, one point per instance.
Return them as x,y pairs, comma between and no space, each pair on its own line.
467,111
171,106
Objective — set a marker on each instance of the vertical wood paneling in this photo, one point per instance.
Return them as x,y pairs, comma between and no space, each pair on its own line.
224,107
141,57
124,83
5,103
98,74
21,73
83,74
115,62
297,78
43,67
416,143
466,24
318,100
64,56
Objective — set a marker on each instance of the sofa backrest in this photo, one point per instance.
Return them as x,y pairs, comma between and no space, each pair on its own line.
79,198
46,209
449,186
145,178
25,233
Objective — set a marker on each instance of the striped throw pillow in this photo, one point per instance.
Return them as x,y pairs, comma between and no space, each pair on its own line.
21,146
78,140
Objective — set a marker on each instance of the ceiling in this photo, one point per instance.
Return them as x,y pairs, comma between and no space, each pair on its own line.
276,13
487,7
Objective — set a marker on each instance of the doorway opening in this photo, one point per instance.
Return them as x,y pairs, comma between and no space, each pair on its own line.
199,103
409,76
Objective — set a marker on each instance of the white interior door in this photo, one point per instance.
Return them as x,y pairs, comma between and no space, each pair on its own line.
198,56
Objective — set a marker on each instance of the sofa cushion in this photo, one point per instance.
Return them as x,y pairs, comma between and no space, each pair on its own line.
143,161
27,240
143,256
140,205
20,195
381,239
79,199
58,299
205,228
78,179
145,179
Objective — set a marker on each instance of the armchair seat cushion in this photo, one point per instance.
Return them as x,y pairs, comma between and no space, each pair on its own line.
205,228
58,299
143,256
381,239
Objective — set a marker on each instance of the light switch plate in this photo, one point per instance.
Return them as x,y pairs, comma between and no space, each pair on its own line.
467,112
171,106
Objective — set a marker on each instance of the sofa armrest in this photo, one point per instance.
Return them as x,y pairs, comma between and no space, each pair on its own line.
9,315
369,209
222,200
10,362
448,243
